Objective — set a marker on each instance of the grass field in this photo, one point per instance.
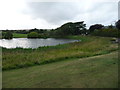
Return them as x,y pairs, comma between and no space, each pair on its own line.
92,72
87,47
16,35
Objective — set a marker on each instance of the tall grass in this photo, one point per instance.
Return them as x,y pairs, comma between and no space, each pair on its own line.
90,46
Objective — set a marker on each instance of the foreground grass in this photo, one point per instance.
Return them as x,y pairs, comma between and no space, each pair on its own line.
93,72
17,35
89,46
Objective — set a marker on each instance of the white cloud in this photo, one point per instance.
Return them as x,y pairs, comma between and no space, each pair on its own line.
23,14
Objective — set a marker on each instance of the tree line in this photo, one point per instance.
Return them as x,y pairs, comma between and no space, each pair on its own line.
70,28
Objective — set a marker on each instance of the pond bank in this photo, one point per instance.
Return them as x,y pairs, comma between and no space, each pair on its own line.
89,46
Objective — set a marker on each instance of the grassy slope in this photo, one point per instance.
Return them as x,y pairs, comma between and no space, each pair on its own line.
90,46
93,72
16,35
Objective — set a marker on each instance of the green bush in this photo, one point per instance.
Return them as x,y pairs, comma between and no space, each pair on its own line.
106,32
33,35
43,36
8,35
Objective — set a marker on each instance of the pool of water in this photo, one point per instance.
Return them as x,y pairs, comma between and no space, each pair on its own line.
32,43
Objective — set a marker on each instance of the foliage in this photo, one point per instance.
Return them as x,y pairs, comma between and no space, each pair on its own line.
0,35
21,31
106,32
118,24
94,27
89,46
111,26
8,35
71,29
39,31
44,35
67,29
33,35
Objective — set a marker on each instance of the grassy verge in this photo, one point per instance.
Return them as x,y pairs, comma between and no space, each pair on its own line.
16,35
89,46
93,72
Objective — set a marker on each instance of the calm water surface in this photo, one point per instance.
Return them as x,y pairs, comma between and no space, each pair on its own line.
32,43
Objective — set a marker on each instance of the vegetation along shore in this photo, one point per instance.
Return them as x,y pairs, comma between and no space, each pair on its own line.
92,62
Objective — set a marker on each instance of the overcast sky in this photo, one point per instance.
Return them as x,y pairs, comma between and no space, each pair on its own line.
27,14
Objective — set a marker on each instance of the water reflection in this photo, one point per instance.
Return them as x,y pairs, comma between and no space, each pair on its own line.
32,43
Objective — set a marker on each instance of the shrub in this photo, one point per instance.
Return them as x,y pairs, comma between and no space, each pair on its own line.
8,35
96,26
43,36
33,35
106,32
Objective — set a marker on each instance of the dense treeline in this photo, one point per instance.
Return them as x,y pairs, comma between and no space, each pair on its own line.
7,35
77,28
109,32
71,29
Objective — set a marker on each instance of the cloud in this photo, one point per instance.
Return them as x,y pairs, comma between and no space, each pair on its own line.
100,12
53,12
26,14
60,12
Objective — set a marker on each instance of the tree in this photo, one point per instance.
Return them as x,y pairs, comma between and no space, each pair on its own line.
33,35
108,32
118,24
8,35
71,29
111,26
79,28
95,27
34,30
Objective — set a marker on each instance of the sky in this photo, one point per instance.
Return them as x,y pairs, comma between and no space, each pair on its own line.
50,14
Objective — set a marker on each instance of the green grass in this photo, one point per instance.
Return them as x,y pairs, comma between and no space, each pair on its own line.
93,72
79,37
16,35
89,46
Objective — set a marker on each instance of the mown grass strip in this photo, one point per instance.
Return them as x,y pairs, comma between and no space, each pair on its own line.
93,72
17,35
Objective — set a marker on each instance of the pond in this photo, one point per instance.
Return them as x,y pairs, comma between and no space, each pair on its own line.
32,43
